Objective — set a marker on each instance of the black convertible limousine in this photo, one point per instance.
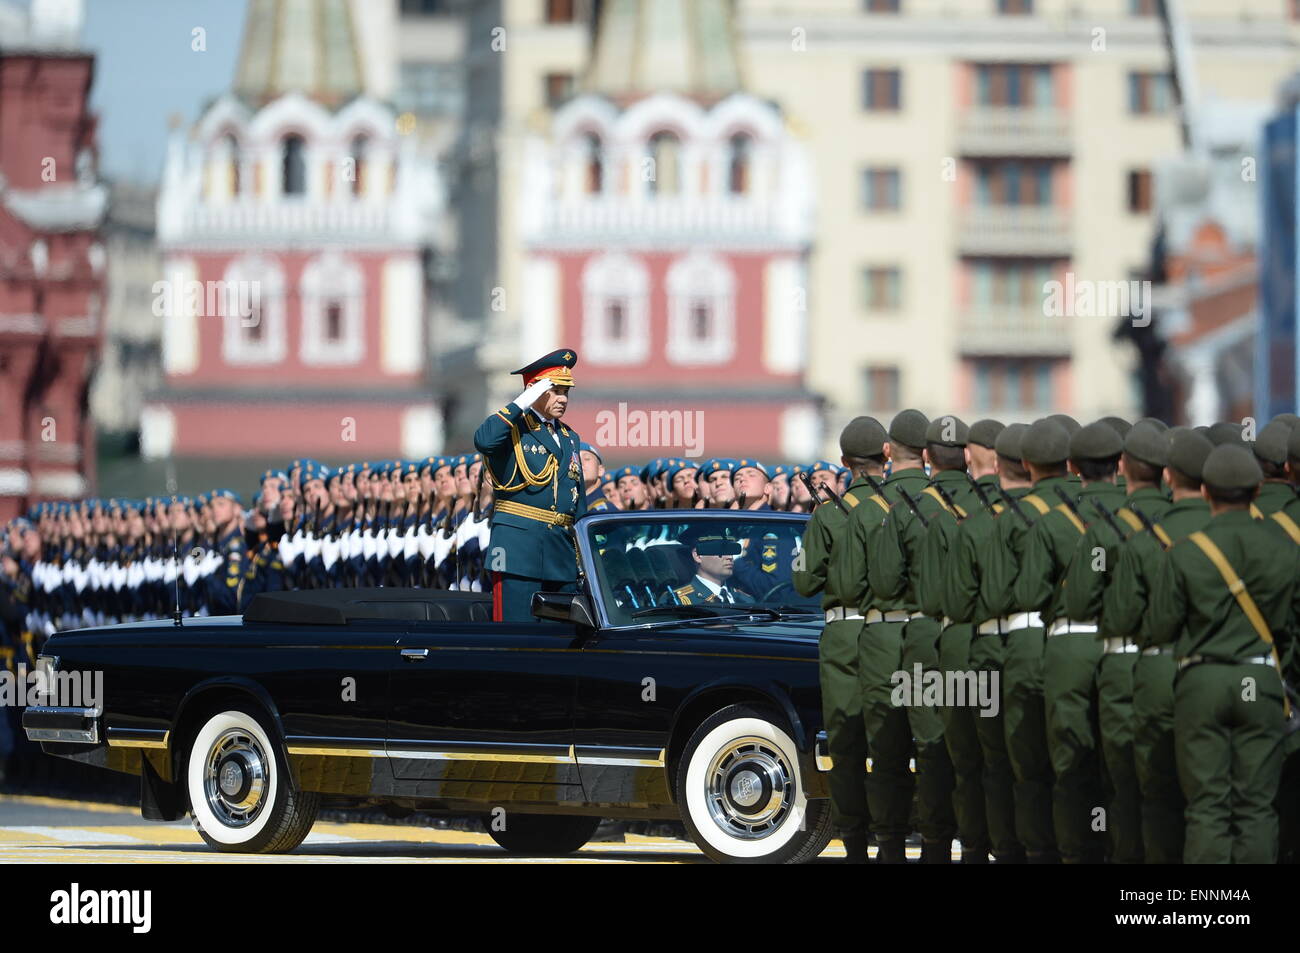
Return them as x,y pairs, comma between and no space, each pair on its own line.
653,692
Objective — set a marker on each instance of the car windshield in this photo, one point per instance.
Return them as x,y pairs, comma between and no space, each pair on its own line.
692,566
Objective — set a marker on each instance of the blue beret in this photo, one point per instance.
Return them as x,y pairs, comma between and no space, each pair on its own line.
590,449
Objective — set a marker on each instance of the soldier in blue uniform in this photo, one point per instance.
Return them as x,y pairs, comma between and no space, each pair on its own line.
227,582
532,459
593,472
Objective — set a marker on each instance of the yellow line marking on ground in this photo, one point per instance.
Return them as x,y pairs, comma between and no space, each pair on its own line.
39,801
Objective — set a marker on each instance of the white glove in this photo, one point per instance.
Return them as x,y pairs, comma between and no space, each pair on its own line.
424,542
410,545
330,552
190,572
484,534
441,547
369,545
532,392
394,543
287,550
312,545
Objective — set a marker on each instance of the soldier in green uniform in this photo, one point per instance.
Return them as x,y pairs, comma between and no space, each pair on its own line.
1223,597
862,444
1124,611
962,603
1088,576
946,503
883,651
1072,651
533,461
1044,448
1270,453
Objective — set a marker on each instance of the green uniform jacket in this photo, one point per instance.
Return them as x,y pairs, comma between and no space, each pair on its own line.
1273,496
962,597
1004,550
1124,606
907,560
898,594
1192,607
533,549
1085,586
847,573
826,526
1051,545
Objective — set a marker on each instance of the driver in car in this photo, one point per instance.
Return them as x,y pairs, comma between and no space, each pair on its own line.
714,554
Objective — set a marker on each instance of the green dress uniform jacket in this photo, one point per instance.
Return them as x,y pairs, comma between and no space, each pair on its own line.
1228,701
537,479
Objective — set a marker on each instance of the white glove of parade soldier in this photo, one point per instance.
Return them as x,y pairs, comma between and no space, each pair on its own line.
532,392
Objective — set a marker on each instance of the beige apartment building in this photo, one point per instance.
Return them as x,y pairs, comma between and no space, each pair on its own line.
965,155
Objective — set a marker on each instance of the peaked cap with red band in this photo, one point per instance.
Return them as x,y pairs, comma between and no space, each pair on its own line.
557,366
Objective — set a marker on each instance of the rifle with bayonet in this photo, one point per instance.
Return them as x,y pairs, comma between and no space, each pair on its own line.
815,488
1014,504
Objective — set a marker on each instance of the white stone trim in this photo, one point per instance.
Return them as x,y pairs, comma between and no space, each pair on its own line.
66,484
422,433
701,276
14,482
332,277
402,322
157,431
615,276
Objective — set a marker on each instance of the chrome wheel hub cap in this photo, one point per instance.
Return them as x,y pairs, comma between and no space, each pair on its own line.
236,777
749,788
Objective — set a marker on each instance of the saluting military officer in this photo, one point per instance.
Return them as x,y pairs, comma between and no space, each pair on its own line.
1124,611
1089,574
532,458
1224,597
862,444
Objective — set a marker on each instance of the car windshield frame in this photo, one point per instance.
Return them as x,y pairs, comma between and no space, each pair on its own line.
592,523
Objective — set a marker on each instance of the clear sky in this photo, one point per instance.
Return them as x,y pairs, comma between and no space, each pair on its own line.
146,70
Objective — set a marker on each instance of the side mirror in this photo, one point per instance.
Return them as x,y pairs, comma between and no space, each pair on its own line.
563,607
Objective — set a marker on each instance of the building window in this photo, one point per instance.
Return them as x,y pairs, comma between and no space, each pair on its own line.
1142,8
293,176
424,8
430,89
665,156
558,88
882,189
738,164
615,310
233,160
882,288
701,310
881,6
332,292
1139,190
1015,7
1006,283
1013,183
881,89
1014,85
595,173
881,383
1017,385
254,324
1149,93
1295,9
559,11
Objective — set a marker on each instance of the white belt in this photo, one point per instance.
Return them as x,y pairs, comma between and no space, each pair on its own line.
991,627
1070,627
1253,660
1021,620
840,614
945,622
893,615
1119,645
1158,650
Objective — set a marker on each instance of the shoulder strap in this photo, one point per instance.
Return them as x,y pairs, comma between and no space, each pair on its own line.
1288,524
1255,512
851,500
1037,502
1069,514
1129,517
1238,590
881,502
935,495
998,508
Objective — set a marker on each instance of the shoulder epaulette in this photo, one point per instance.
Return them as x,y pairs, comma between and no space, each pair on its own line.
684,593
1288,524
1069,514
1037,502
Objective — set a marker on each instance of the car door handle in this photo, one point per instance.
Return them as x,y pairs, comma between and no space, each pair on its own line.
415,655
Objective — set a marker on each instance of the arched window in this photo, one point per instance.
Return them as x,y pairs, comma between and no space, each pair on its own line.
595,180
738,164
359,165
615,310
293,179
665,155
254,329
233,160
333,294
701,310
